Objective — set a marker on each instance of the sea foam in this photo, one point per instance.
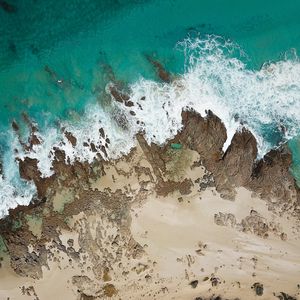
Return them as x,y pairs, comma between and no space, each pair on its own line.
216,78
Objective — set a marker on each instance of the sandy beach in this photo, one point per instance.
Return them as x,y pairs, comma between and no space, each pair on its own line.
149,150
190,244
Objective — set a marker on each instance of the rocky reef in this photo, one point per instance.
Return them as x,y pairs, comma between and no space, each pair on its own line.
85,217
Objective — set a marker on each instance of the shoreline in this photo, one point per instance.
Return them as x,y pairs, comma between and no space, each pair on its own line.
128,105
146,224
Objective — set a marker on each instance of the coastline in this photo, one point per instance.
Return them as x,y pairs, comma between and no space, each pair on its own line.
160,223
149,150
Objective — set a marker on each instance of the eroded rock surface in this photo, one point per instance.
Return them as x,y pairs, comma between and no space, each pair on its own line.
107,228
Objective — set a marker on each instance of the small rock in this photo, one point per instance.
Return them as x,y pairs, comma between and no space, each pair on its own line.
194,283
283,236
285,296
258,288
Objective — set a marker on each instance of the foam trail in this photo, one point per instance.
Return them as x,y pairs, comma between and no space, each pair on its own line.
13,190
216,78
121,140
267,101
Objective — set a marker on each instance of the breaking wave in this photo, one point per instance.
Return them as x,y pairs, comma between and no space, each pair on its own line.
216,78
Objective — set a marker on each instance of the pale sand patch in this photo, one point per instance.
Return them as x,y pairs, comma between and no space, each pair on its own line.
35,225
61,199
118,174
175,230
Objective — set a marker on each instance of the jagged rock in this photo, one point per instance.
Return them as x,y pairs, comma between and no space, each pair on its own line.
71,138
206,135
270,176
28,169
239,157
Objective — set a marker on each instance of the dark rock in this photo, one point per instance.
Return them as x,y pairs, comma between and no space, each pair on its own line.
206,181
15,126
9,8
285,296
194,283
28,169
101,131
215,281
103,149
160,70
12,47
258,288
118,95
269,177
240,156
121,119
87,297
71,138
129,103
70,242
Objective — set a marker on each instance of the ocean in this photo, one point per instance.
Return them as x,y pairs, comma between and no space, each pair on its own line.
57,59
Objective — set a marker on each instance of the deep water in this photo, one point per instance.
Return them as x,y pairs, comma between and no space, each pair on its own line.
53,57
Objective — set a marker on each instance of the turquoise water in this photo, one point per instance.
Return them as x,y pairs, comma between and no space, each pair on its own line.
73,38
46,41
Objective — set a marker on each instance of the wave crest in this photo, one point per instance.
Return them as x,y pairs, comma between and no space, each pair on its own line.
216,78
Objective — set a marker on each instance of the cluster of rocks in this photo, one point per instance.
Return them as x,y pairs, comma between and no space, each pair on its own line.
237,167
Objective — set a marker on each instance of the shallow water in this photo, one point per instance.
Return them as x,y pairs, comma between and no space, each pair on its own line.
52,58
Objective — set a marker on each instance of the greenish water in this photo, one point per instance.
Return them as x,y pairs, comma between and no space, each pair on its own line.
73,38
52,53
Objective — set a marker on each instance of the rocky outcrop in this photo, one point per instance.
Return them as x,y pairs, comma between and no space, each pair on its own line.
238,166
28,169
83,192
270,177
67,175
239,159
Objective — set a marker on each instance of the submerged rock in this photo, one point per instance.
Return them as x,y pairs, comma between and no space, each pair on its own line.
8,7
162,73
